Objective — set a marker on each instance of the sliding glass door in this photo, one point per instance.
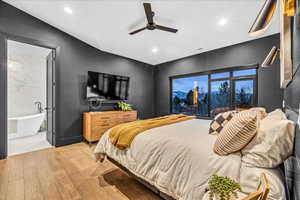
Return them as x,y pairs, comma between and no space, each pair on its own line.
190,95
219,92
243,94
219,96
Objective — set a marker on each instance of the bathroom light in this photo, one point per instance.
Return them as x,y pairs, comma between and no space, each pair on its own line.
68,10
223,21
270,59
154,50
264,18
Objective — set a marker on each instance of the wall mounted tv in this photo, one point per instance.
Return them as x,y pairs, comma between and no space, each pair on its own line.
107,86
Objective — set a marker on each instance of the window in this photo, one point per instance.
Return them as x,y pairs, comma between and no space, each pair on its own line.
220,75
190,95
243,94
208,94
219,96
247,72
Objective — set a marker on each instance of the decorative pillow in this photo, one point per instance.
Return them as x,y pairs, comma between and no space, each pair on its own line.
250,178
273,143
237,133
261,112
220,121
277,114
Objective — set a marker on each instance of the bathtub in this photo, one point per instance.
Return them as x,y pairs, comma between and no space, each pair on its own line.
25,126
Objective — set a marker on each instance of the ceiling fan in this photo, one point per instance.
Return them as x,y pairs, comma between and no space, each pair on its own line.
151,25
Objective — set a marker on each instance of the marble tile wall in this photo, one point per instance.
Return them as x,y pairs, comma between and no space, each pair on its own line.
26,78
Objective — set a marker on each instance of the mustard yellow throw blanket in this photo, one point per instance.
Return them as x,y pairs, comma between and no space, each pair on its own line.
122,135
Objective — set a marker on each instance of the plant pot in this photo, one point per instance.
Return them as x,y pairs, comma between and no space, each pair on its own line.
218,198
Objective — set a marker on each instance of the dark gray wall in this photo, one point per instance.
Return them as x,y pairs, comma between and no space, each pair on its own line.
75,58
292,93
292,99
269,93
3,124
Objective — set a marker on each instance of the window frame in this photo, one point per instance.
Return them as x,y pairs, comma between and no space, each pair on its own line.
231,79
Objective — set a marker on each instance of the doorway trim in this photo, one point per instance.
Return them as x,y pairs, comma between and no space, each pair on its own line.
4,37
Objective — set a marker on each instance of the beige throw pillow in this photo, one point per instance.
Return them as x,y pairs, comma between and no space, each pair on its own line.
237,133
273,143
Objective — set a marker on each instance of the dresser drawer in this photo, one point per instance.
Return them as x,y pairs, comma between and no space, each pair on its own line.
102,123
97,133
125,120
101,118
95,124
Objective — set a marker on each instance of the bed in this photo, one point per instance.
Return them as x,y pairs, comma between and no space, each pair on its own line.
178,159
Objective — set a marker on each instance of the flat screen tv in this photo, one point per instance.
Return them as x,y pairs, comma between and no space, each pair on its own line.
107,86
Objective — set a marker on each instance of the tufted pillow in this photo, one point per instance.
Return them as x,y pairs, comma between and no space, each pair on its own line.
237,133
273,143
218,123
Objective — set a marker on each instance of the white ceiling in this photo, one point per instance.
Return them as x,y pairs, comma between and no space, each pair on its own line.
105,24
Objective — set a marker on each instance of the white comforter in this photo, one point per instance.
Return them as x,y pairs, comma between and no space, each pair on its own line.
178,159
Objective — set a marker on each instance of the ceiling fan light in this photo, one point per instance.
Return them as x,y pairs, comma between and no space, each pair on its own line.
271,57
264,18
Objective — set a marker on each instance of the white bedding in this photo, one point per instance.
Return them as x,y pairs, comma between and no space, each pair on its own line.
174,158
178,159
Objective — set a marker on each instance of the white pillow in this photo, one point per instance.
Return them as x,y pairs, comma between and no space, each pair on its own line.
273,143
250,178
277,114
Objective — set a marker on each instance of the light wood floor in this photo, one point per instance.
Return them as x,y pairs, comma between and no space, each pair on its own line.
66,173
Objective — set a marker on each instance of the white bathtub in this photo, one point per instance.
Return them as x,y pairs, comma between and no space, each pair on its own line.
25,126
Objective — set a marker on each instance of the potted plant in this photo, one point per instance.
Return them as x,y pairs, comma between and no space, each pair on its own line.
222,188
124,106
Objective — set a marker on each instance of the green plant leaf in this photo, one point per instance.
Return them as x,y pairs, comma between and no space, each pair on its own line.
222,187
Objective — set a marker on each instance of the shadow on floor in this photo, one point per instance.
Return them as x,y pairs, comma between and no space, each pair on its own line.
127,185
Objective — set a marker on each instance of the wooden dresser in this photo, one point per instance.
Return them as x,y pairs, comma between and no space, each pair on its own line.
96,123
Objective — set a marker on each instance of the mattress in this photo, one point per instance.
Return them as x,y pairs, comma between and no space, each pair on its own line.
177,159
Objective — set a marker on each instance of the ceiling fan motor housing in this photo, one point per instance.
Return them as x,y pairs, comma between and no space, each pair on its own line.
151,26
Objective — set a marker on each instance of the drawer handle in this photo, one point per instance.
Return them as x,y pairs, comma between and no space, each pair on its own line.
101,124
104,117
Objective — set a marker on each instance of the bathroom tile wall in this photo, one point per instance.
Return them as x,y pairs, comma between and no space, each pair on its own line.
26,78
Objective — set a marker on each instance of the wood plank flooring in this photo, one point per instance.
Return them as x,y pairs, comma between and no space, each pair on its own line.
67,173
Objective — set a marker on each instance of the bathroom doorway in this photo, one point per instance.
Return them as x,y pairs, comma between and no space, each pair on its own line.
30,97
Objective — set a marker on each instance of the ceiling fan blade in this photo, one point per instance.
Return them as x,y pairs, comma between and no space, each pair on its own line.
148,12
136,31
164,28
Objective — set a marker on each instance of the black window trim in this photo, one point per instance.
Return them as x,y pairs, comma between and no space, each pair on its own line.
231,80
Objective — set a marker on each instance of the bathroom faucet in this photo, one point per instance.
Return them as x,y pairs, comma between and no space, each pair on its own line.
39,106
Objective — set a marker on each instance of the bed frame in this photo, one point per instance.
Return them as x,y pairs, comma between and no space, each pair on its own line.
142,181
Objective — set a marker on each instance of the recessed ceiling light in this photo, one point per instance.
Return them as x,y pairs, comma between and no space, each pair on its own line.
154,50
68,10
223,21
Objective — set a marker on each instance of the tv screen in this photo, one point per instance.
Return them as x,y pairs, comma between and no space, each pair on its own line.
107,86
